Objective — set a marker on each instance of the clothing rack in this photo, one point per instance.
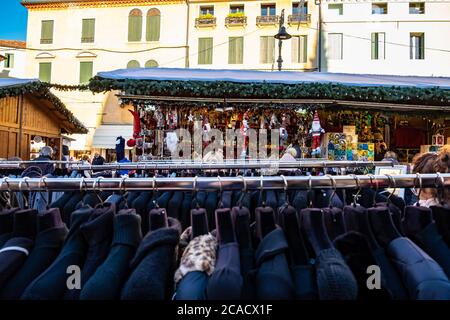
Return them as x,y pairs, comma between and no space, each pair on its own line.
226,183
192,165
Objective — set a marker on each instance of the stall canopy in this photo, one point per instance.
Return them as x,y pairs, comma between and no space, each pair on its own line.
279,89
11,87
105,135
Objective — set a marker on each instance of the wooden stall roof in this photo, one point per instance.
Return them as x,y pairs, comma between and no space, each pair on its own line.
11,87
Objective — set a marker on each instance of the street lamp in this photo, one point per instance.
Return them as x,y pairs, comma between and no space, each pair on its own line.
281,35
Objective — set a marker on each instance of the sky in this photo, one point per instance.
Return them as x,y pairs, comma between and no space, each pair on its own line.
13,20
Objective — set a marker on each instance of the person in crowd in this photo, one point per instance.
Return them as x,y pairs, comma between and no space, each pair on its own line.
431,162
391,156
85,160
289,155
42,162
98,160
380,146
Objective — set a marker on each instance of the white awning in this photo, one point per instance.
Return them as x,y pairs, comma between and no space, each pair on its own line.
105,136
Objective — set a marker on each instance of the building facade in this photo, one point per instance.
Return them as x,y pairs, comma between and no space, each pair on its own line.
12,61
69,41
386,37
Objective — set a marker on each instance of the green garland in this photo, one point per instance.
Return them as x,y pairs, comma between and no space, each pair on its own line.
42,91
220,89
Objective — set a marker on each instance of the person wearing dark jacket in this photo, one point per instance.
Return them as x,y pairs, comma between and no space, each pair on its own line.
107,281
98,160
42,162
153,265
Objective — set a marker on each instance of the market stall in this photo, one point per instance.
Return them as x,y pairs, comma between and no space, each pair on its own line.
32,117
336,116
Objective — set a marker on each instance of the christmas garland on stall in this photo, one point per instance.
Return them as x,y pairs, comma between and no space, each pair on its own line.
41,90
221,89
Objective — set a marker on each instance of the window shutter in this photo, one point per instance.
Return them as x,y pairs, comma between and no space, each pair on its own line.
374,44
134,28
263,50
304,49
151,64
85,71
11,61
47,32
232,50
133,64
271,49
421,46
153,27
205,50
295,46
240,50
381,45
88,30
45,71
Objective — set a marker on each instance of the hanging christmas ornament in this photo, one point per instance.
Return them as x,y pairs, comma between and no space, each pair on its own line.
316,132
190,117
136,124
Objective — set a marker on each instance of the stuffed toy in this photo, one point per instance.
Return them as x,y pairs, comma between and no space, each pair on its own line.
316,132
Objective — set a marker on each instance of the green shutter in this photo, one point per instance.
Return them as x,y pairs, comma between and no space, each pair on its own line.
270,49
239,50
232,50
45,71
303,49
9,62
133,64
134,28
263,50
85,71
47,32
422,46
151,64
153,27
88,31
205,50
374,44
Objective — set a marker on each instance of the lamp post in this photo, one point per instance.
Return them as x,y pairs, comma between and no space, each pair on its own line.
281,35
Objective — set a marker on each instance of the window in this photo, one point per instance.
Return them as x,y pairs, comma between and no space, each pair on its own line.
153,24
205,50
298,10
417,8
267,49
236,50
47,32
336,9
135,25
45,71
299,49
417,46
335,46
88,31
151,64
237,8
207,11
378,44
9,61
379,8
86,71
268,10
133,64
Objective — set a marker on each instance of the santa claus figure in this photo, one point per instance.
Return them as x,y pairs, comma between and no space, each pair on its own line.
316,132
136,124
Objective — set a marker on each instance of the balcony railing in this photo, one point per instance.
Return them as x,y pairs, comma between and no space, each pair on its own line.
235,21
295,19
205,22
267,20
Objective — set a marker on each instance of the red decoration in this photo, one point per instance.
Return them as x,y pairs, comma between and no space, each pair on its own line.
136,124
131,143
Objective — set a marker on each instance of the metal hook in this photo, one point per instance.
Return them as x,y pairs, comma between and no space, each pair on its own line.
391,180
26,203
123,191
285,190
358,185
155,192
419,177
96,187
243,191
194,192
333,183
372,178
310,192
46,189
440,191
10,194
261,190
